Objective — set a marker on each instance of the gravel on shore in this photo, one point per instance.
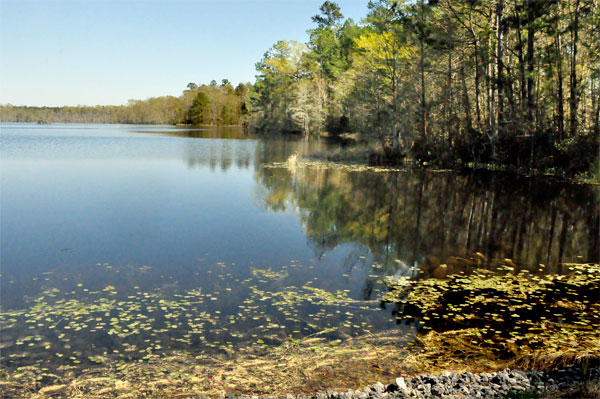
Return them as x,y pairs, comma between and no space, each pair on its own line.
563,383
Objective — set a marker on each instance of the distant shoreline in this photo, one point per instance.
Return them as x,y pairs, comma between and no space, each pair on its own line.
119,123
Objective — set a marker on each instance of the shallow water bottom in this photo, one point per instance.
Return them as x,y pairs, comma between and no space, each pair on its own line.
297,367
303,367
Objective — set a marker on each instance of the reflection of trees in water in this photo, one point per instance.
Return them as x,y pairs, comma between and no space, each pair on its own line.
279,149
426,217
244,151
220,153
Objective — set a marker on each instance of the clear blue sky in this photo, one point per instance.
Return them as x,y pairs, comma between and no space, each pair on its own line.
88,52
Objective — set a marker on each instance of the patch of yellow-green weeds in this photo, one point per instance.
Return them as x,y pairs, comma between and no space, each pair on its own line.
494,319
298,367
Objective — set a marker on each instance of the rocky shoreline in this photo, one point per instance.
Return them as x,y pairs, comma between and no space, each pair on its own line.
569,382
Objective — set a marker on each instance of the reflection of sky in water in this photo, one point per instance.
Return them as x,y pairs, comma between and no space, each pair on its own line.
162,217
110,214
131,200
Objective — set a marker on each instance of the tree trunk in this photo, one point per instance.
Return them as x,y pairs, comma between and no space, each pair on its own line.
529,59
477,90
423,106
489,95
559,78
489,77
422,70
523,82
467,104
596,106
500,67
573,97
597,122
448,98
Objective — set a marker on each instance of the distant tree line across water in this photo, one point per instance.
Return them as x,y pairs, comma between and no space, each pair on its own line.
212,104
511,82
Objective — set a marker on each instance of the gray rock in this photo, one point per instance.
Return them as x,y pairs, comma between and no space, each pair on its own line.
450,385
438,390
379,388
401,384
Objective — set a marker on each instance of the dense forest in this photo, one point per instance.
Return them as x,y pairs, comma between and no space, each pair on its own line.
495,81
505,82
212,104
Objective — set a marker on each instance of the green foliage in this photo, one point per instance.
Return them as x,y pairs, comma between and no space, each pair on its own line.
581,154
443,81
330,14
449,81
200,111
212,105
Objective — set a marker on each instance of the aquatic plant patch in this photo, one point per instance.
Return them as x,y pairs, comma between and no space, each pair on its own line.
315,164
77,327
301,366
264,334
503,317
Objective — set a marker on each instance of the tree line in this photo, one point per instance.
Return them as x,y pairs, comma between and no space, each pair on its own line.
513,82
205,104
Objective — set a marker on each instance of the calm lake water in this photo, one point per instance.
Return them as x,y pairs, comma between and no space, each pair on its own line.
129,240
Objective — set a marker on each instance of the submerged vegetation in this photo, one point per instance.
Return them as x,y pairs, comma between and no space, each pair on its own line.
135,325
497,316
104,339
301,367
483,320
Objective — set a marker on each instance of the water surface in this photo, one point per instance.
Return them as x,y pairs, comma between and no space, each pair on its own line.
128,241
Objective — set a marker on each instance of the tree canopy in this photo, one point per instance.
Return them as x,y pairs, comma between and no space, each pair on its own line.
514,83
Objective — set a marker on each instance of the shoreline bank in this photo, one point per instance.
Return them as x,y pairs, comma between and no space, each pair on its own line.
567,382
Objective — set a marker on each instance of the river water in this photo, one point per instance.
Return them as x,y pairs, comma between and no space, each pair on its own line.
126,241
